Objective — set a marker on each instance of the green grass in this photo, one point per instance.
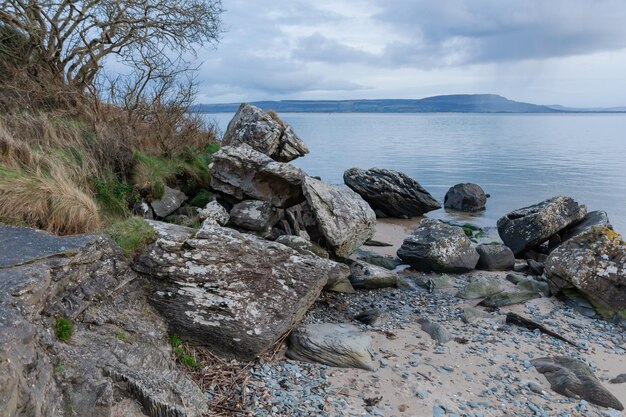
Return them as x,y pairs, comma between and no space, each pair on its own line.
201,199
175,341
153,173
121,336
131,235
181,355
63,329
114,197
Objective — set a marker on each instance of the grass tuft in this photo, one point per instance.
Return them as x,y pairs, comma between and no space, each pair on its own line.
131,235
63,329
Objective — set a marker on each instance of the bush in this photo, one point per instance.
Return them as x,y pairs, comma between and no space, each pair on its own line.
131,235
63,329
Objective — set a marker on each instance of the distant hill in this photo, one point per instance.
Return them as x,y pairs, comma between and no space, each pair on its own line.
462,103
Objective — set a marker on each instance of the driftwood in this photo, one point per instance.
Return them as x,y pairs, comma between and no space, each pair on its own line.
516,319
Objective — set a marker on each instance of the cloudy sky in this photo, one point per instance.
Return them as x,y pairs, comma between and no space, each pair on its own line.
569,52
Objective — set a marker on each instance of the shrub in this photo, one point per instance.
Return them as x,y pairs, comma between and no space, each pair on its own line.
131,235
63,329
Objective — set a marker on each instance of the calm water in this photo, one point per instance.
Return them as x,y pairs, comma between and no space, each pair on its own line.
518,159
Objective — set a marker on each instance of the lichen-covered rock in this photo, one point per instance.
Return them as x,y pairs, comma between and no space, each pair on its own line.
86,280
495,257
241,172
341,345
369,277
507,298
591,219
594,263
574,379
466,197
391,193
345,220
170,202
265,132
479,288
439,247
214,212
233,292
525,228
255,215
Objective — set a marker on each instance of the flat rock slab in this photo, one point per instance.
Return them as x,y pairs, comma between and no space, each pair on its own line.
232,292
21,245
479,288
507,298
594,263
591,219
392,193
345,220
340,345
265,132
368,276
242,172
525,228
573,378
438,247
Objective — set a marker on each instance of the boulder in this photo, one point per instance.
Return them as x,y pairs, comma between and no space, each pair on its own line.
479,288
243,173
170,202
591,219
303,246
345,220
232,292
466,197
265,132
369,277
495,257
390,193
214,212
435,330
438,247
593,263
574,379
525,228
255,215
341,345
85,280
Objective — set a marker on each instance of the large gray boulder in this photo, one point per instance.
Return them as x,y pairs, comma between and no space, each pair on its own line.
345,220
593,263
591,219
255,215
233,292
265,132
390,193
242,173
525,228
438,247
574,379
341,345
466,197
85,280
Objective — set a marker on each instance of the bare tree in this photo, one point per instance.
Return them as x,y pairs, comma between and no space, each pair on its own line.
69,40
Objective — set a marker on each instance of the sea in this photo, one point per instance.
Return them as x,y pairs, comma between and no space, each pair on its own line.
518,159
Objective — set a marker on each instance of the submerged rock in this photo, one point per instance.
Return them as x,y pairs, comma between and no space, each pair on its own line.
233,292
392,193
495,257
341,345
594,263
241,172
265,132
466,197
439,247
344,218
525,228
573,378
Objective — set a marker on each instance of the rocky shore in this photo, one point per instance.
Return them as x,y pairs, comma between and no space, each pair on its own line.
287,296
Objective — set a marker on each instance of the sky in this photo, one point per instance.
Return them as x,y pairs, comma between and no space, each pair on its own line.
568,52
